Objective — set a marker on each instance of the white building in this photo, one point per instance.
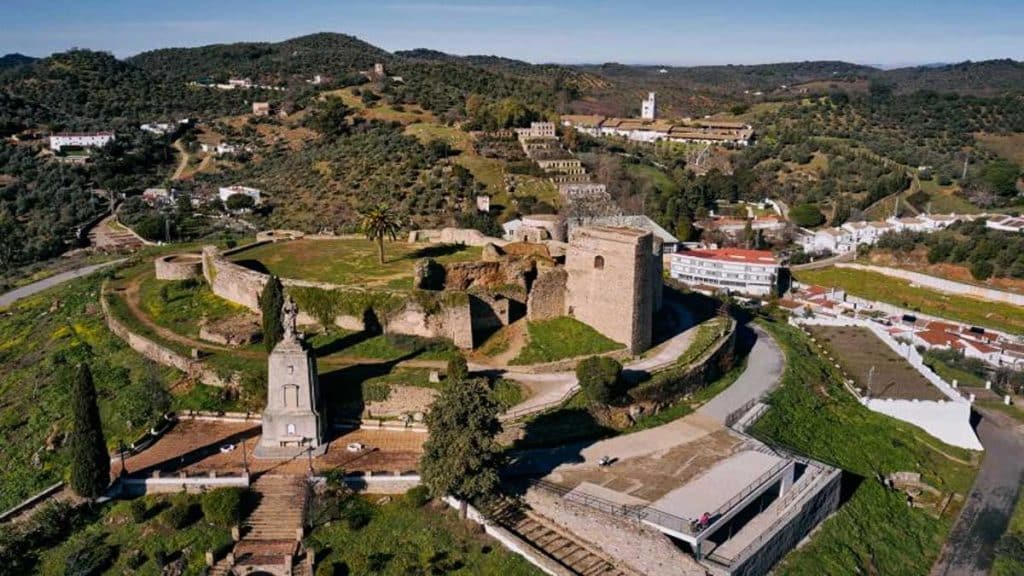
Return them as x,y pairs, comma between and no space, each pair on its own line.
835,240
537,130
753,272
218,149
80,140
648,108
229,191
1006,223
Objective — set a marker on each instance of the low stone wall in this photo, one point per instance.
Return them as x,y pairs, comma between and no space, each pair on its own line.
158,353
569,364
179,266
279,235
451,319
172,484
31,502
941,284
467,236
674,381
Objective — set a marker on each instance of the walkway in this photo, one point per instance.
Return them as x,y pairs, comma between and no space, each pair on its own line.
13,296
550,389
971,545
764,370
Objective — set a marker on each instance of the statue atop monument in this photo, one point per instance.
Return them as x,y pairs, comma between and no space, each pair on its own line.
292,421
289,317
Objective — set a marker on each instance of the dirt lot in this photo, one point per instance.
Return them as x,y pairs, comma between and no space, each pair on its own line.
858,351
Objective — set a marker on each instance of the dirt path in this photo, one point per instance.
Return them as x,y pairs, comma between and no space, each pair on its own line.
183,162
970,549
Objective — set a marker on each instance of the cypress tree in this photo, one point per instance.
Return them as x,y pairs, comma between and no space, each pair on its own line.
90,463
271,301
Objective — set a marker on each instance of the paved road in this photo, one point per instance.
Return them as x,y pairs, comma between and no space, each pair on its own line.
13,296
971,545
762,374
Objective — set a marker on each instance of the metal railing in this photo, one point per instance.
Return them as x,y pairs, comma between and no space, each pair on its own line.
653,515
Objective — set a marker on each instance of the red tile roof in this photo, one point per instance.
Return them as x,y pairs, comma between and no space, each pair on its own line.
733,255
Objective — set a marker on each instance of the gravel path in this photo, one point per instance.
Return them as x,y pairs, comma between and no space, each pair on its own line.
971,545
548,389
762,374
13,296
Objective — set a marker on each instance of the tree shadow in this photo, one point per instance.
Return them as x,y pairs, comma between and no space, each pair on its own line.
195,455
342,389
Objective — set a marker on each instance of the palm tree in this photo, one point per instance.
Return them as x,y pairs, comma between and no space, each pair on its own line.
377,223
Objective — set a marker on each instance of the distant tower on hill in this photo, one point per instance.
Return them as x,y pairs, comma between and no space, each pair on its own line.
647,107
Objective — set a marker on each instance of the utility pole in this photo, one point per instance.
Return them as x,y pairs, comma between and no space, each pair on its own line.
963,175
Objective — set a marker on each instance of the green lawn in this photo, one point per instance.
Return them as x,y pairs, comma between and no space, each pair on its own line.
42,339
348,261
687,405
874,532
403,539
182,305
874,286
561,338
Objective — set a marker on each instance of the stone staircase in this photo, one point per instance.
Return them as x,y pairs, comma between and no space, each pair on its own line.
271,535
573,554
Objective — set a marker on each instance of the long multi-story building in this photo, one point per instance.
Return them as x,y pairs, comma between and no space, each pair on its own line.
753,272
706,131
80,140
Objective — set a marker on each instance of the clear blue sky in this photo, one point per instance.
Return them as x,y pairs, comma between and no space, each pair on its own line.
680,32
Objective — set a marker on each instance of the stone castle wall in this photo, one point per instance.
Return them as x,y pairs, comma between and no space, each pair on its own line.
609,283
547,295
179,267
243,286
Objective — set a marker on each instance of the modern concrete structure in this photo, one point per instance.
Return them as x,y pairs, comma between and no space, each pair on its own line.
293,422
752,272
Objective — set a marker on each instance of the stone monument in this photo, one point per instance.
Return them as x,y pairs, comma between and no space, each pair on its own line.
292,421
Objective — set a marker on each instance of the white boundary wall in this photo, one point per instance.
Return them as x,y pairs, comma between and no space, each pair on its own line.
941,284
947,420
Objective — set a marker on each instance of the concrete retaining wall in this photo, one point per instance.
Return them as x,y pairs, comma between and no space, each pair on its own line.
172,484
941,284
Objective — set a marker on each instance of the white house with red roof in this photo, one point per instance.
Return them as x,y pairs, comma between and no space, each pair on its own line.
752,272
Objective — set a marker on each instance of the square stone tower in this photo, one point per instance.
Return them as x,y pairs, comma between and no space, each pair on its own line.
292,421
610,283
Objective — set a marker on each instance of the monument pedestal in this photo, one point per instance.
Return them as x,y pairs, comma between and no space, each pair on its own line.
292,421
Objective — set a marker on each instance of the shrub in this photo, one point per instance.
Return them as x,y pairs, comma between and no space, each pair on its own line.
418,496
223,506
599,378
806,215
458,369
137,510
89,556
177,516
358,515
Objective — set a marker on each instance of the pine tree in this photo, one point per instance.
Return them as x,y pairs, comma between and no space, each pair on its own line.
460,456
271,301
90,463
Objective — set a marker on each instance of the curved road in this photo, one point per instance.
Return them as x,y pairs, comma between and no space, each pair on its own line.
763,373
970,549
13,296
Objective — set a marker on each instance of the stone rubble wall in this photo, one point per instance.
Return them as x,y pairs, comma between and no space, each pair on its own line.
547,295
241,285
467,236
179,267
158,353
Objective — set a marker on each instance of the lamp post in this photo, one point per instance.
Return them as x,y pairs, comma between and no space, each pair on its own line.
309,457
124,465
245,459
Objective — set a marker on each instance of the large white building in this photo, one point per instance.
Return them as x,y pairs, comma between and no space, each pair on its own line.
80,140
229,191
753,272
648,107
